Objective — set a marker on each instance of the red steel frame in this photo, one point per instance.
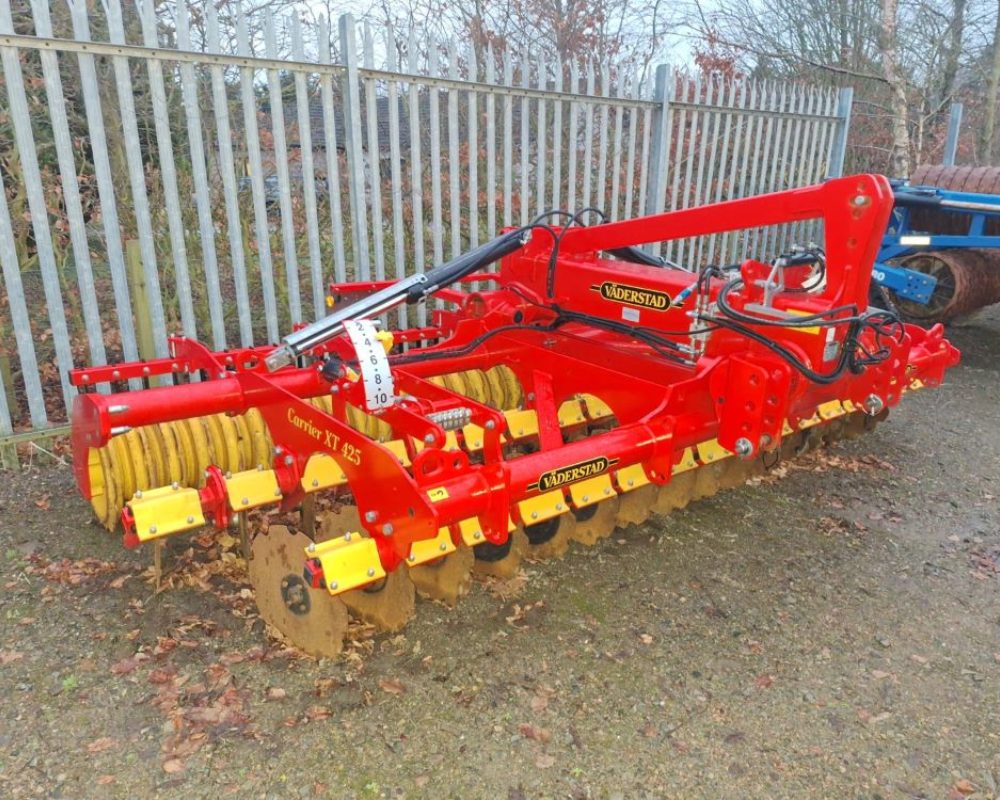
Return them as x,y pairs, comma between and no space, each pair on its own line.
736,389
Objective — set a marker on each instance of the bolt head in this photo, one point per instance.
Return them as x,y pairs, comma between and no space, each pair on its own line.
387,529
744,447
443,547
873,405
534,515
311,548
333,586
152,529
371,516
429,438
371,572
289,461
490,424
190,520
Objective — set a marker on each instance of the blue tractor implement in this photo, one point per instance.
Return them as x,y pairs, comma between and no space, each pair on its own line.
940,257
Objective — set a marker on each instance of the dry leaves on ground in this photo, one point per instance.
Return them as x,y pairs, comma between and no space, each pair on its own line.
392,686
529,731
102,744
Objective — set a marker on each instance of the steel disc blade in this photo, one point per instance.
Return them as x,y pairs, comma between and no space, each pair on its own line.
636,506
555,540
331,524
508,564
448,579
676,494
596,522
309,618
388,604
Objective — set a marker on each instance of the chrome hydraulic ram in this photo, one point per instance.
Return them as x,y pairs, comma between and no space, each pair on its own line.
411,290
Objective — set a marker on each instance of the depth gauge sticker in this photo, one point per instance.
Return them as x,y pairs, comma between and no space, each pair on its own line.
373,364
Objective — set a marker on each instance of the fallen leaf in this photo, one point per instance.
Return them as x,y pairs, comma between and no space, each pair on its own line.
10,656
276,693
100,745
43,502
544,761
128,665
539,703
173,765
392,686
106,780
645,638
529,731
159,677
879,675
317,713
964,786
918,659
764,681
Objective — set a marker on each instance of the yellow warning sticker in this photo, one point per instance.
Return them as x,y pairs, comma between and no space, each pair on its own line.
437,495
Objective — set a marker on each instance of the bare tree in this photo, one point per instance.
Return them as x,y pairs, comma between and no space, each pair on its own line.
899,157
989,144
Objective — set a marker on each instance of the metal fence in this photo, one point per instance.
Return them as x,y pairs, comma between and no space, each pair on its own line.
164,170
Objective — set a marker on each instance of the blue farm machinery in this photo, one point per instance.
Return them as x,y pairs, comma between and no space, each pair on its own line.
940,257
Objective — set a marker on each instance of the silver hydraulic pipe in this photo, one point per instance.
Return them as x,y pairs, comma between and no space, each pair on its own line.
322,330
968,205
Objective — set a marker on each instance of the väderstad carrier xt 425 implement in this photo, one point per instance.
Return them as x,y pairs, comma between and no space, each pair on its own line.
586,387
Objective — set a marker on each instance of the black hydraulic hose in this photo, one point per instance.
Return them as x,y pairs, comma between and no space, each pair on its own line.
466,264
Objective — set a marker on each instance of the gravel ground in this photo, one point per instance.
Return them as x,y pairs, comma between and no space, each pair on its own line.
835,633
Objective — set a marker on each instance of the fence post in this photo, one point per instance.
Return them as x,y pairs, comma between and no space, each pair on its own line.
656,199
838,151
354,146
951,143
8,451
140,296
